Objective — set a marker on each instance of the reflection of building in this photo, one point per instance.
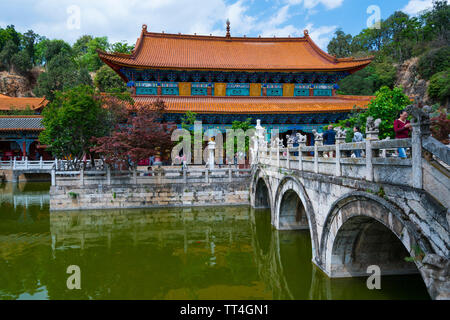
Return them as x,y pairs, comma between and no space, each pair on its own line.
288,83
19,133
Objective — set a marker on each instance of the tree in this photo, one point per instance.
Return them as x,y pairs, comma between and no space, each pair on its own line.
90,59
439,88
7,53
62,73
434,61
385,106
9,34
106,80
341,45
142,135
121,47
29,41
54,48
22,62
437,21
71,120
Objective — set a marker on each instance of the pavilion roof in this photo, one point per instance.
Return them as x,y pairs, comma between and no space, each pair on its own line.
7,103
193,52
257,105
21,123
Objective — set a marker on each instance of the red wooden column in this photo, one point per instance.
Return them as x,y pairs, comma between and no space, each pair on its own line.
24,148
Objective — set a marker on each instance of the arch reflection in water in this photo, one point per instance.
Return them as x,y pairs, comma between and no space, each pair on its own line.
200,253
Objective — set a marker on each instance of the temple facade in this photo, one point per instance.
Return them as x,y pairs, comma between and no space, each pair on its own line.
288,83
19,134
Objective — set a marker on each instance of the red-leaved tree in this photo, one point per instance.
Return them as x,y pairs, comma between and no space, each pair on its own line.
139,137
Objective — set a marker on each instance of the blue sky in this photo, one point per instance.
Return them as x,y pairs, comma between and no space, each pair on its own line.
121,20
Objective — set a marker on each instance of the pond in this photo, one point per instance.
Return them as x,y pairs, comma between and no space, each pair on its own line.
196,253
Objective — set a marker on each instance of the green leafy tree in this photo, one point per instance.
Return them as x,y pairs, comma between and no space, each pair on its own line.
341,45
439,88
71,120
29,41
106,80
121,47
22,62
7,53
62,73
90,59
9,34
385,106
434,61
54,48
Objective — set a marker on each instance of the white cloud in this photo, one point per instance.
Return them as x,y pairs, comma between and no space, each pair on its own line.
416,6
311,4
321,35
122,20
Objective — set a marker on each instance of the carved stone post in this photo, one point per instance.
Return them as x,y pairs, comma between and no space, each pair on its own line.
211,148
372,132
340,139
301,144
372,128
421,129
318,141
369,164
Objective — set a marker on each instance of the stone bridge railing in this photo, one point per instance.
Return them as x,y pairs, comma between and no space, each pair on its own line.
162,175
371,167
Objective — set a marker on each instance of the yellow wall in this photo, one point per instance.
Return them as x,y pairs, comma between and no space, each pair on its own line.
255,89
184,88
220,89
288,89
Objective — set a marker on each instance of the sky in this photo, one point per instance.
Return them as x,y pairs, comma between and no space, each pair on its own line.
122,20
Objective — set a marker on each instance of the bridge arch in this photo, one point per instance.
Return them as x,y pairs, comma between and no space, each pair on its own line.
261,191
362,229
293,210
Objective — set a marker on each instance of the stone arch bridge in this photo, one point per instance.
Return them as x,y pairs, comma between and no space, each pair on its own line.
374,210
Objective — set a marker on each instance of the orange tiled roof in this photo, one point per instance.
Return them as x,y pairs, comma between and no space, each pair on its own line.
7,103
160,50
258,105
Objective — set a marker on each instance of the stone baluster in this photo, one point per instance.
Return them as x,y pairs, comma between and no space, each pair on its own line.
341,135
82,176
41,163
206,175
369,164
108,175
421,129
53,175
301,143
230,174
318,141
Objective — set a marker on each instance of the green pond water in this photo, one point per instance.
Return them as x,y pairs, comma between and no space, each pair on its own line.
201,253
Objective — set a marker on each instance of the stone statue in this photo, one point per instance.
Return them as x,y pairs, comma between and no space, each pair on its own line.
421,117
340,133
291,140
372,128
301,139
373,125
318,138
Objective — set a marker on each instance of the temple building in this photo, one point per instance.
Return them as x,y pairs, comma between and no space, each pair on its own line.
19,133
288,83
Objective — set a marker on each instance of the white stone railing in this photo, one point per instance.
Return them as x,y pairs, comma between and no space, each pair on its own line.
334,160
25,164
164,175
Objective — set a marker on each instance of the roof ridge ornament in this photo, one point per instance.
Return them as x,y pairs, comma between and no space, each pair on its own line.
144,27
306,32
228,28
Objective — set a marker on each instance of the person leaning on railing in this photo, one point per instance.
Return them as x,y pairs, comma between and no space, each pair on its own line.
402,128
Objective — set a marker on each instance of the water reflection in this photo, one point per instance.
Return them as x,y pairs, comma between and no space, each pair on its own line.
198,253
